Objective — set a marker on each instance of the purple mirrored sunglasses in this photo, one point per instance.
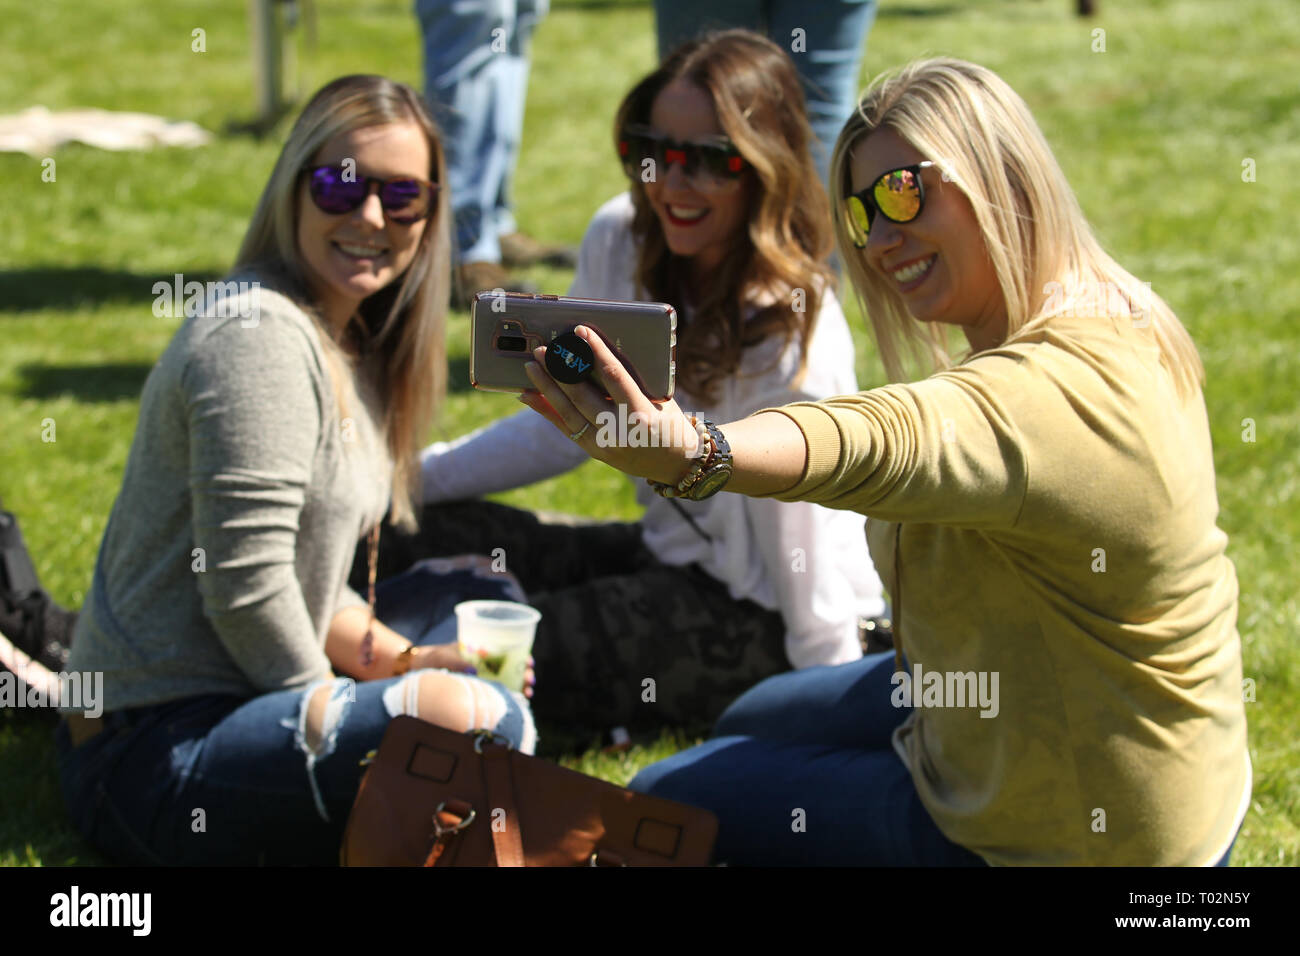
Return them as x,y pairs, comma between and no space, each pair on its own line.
405,199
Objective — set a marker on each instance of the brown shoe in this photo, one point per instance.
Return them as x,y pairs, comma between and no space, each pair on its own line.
474,277
520,250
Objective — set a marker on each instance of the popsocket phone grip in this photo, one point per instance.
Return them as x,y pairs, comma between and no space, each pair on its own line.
569,359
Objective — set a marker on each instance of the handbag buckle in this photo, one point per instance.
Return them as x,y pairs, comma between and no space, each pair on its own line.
490,736
440,830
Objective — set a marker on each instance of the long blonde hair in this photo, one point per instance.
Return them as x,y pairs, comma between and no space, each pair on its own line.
404,322
979,131
786,245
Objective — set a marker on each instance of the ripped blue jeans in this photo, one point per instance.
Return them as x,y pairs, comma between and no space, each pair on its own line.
218,779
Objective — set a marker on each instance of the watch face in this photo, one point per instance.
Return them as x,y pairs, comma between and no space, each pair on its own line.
711,482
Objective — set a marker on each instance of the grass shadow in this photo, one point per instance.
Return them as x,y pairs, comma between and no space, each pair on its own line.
889,10
108,382
34,826
555,741
73,287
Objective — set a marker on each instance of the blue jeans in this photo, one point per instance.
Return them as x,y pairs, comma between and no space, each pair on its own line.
219,779
476,76
800,771
828,53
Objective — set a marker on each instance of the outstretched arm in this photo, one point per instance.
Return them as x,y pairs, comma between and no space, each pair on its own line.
769,454
949,449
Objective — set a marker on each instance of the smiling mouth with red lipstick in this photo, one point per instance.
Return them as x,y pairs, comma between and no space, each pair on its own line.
684,215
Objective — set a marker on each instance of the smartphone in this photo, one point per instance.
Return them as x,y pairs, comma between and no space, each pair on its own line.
506,327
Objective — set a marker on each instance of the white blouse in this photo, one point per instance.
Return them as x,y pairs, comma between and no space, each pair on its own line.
807,562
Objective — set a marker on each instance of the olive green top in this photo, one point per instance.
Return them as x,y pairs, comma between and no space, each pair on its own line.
1045,512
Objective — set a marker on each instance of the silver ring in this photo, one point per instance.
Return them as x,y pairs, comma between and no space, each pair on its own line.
581,431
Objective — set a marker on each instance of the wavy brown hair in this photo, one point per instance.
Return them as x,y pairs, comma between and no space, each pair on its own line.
404,321
785,247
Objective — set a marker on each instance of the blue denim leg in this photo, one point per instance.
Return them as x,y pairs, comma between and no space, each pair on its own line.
827,54
801,771
420,603
95,806
224,780
476,76
843,706
528,14
677,21
796,804
835,42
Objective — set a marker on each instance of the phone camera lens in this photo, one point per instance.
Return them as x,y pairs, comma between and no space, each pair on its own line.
512,343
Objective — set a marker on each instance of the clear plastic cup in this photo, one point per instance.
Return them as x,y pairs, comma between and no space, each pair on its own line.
497,637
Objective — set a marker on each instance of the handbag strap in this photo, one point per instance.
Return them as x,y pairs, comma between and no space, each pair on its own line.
451,817
499,785
695,525
454,816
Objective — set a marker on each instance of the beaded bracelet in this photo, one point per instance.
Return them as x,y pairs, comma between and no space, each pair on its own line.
697,467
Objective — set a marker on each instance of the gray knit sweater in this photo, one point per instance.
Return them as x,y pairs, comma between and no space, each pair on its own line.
228,549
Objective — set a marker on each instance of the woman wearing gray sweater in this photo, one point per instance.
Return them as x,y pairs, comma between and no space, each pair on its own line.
282,422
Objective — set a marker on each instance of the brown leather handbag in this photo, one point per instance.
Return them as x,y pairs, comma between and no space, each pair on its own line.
434,797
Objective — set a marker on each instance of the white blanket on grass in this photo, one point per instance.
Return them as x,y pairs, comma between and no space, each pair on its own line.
38,131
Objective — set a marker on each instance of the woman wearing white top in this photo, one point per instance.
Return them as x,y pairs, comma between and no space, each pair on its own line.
667,620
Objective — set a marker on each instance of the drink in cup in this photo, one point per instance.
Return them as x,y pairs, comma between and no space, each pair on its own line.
497,637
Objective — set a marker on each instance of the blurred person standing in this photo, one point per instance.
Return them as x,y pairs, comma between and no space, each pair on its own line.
825,39
476,78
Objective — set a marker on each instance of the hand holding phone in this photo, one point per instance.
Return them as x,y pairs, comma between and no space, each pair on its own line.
505,328
583,413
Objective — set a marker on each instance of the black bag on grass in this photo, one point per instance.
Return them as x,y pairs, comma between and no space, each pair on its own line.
35,632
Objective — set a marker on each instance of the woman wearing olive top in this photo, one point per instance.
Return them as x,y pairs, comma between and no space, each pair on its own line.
1042,511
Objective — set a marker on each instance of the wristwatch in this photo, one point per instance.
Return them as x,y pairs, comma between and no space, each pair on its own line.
708,475
716,472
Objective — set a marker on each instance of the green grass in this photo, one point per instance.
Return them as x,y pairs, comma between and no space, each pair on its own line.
1152,134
